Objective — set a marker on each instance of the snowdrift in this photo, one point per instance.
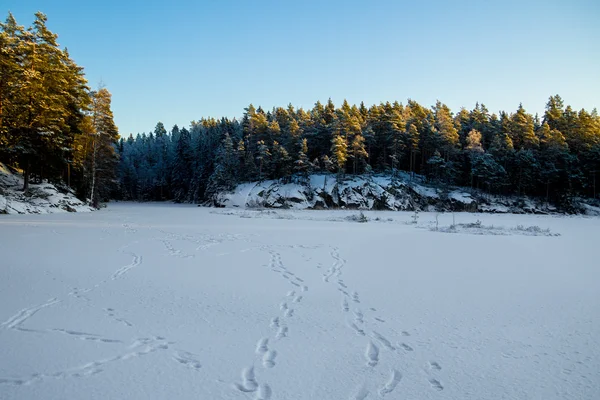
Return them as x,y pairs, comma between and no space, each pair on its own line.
44,198
380,192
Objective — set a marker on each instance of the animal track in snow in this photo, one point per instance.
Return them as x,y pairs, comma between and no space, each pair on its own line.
297,299
379,319
249,383
356,329
139,348
404,333
305,288
358,317
111,313
264,392
262,346
274,323
269,359
281,332
391,384
372,354
173,252
187,359
328,275
137,260
288,313
434,365
355,297
436,385
381,339
86,336
283,306
16,320
291,293
345,307
406,347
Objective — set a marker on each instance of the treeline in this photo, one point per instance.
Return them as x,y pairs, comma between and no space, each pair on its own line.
52,126
557,156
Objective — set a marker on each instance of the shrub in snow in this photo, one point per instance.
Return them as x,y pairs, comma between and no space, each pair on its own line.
358,218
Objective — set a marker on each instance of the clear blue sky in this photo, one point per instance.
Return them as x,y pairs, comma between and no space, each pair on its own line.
183,60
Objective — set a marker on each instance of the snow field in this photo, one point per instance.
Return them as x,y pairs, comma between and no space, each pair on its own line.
158,301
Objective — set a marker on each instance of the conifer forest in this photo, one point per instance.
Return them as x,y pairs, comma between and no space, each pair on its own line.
53,126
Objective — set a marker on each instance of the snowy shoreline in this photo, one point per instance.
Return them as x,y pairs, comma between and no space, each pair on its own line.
43,198
381,192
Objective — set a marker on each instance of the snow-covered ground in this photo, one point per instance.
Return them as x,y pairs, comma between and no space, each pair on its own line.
384,192
43,198
160,301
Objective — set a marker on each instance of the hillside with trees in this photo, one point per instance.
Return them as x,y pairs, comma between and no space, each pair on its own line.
52,126
555,156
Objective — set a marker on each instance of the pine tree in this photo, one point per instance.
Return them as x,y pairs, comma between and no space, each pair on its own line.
302,165
263,157
339,153
359,153
103,158
522,130
181,174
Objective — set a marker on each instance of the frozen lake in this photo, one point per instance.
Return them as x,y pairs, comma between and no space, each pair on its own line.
162,301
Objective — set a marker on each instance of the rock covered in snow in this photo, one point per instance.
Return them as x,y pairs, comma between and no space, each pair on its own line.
379,192
43,198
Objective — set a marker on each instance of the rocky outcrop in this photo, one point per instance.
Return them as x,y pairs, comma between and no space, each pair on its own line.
41,198
380,192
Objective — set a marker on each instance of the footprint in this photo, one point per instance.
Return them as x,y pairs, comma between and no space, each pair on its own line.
379,319
249,383
406,347
269,359
262,346
283,306
356,329
274,323
187,359
436,385
372,354
305,288
281,332
404,333
264,392
355,297
291,293
391,384
294,283
345,306
434,365
381,339
300,280
288,313
358,317
297,299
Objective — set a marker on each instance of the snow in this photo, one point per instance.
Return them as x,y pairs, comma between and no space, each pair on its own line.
43,198
461,197
156,301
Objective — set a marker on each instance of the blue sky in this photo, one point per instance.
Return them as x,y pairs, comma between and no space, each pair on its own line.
183,60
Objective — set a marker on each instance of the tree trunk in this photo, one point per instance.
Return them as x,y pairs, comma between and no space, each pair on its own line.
93,201
26,174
